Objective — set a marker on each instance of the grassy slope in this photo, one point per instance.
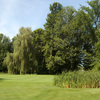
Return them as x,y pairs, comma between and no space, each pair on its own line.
40,87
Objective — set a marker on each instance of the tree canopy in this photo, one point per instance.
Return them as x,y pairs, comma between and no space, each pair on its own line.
69,41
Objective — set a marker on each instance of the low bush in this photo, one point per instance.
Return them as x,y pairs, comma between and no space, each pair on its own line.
78,79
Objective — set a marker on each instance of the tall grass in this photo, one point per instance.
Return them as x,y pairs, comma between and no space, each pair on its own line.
85,79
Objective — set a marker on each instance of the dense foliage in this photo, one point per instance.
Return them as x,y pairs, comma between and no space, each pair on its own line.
85,79
70,40
5,46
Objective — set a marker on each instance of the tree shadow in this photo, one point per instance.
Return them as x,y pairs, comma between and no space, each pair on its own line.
2,79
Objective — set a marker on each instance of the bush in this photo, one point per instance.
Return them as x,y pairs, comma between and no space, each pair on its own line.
85,79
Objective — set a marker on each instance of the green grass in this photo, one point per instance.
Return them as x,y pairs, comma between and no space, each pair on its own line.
40,87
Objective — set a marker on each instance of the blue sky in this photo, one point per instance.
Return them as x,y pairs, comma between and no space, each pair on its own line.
28,13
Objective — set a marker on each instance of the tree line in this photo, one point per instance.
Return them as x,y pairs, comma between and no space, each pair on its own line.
69,41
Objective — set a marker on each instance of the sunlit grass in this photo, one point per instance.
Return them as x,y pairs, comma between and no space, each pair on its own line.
40,87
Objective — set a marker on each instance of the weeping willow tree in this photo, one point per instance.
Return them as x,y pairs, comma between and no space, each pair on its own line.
10,63
19,61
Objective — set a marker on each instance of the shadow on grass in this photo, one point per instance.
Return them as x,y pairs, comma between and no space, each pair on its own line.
2,79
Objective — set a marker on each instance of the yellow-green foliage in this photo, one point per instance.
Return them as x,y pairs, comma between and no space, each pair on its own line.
17,62
85,79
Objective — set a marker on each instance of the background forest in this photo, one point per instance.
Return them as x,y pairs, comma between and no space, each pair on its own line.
69,41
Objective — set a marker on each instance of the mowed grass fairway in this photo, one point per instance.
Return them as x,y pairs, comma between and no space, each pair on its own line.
40,87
